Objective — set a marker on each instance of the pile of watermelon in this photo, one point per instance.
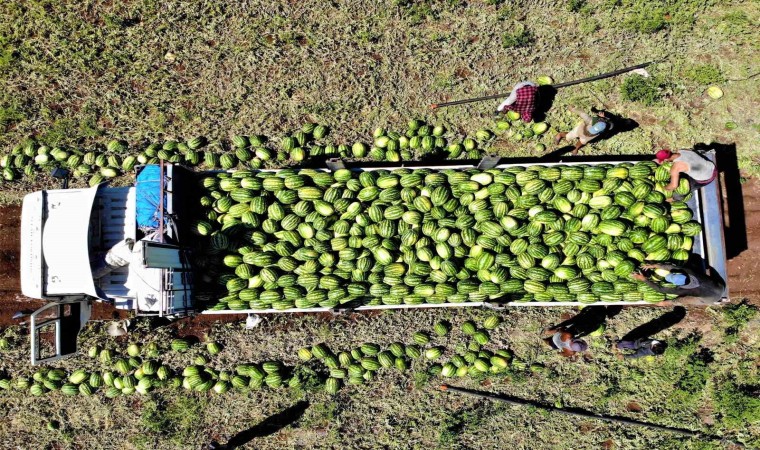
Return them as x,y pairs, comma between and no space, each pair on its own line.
310,238
420,140
140,370
360,364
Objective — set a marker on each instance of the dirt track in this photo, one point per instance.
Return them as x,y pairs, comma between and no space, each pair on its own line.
744,279
743,276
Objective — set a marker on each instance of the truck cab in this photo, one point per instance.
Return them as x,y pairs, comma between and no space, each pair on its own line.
70,240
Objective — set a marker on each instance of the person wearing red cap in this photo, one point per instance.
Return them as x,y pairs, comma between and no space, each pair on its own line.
690,165
523,100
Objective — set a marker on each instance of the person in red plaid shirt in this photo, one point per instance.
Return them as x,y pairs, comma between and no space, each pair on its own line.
522,100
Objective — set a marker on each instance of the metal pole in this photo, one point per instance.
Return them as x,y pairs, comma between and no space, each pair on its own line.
556,86
584,414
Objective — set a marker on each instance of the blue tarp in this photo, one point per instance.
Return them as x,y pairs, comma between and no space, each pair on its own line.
148,195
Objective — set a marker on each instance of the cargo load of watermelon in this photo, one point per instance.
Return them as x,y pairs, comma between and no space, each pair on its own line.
300,239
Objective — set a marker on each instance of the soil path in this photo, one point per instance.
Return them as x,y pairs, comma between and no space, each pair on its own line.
743,275
743,270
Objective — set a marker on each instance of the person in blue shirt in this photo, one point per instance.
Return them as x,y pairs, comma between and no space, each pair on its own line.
641,347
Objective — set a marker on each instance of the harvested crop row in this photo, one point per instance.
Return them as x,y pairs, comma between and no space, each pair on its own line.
141,369
256,151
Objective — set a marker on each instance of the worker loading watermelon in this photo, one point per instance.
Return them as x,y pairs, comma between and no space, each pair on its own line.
522,100
689,165
692,288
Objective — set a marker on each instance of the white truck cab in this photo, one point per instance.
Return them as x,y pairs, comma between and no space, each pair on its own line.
66,236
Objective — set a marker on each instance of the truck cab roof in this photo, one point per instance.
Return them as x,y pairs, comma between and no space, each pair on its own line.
61,229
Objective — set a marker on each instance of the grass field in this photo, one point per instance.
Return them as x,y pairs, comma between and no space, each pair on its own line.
692,386
79,73
83,73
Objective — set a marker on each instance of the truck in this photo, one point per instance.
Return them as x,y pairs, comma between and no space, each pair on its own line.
130,246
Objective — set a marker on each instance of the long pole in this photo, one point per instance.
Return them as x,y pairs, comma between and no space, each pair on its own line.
576,413
556,86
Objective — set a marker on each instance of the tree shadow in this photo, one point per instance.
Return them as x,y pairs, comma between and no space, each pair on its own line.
732,204
654,326
268,426
589,320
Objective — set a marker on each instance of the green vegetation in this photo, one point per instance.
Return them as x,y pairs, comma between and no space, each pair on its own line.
644,17
173,417
466,420
82,78
647,91
577,6
736,317
736,23
704,74
672,389
519,37
738,405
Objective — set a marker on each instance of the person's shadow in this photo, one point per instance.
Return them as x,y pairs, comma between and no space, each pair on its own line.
268,426
654,326
734,221
544,102
619,124
588,320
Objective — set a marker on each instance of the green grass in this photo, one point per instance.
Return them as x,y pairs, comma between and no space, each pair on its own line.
404,410
149,71
647,91
704,74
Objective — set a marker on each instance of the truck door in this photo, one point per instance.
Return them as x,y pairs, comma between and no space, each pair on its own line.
54,329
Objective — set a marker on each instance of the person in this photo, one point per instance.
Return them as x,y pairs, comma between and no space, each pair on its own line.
691,288
688,164
523,100
642,347
587,130
565,342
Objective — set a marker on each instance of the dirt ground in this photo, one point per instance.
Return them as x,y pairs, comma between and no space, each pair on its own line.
744,282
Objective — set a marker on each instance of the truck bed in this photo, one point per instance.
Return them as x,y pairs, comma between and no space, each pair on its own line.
706,207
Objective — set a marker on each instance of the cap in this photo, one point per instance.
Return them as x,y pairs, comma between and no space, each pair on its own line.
578,345
598,127
662,155
678,279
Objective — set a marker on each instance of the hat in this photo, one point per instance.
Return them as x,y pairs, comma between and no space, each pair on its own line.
678,279
662,155
598,127
578,345
568,346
